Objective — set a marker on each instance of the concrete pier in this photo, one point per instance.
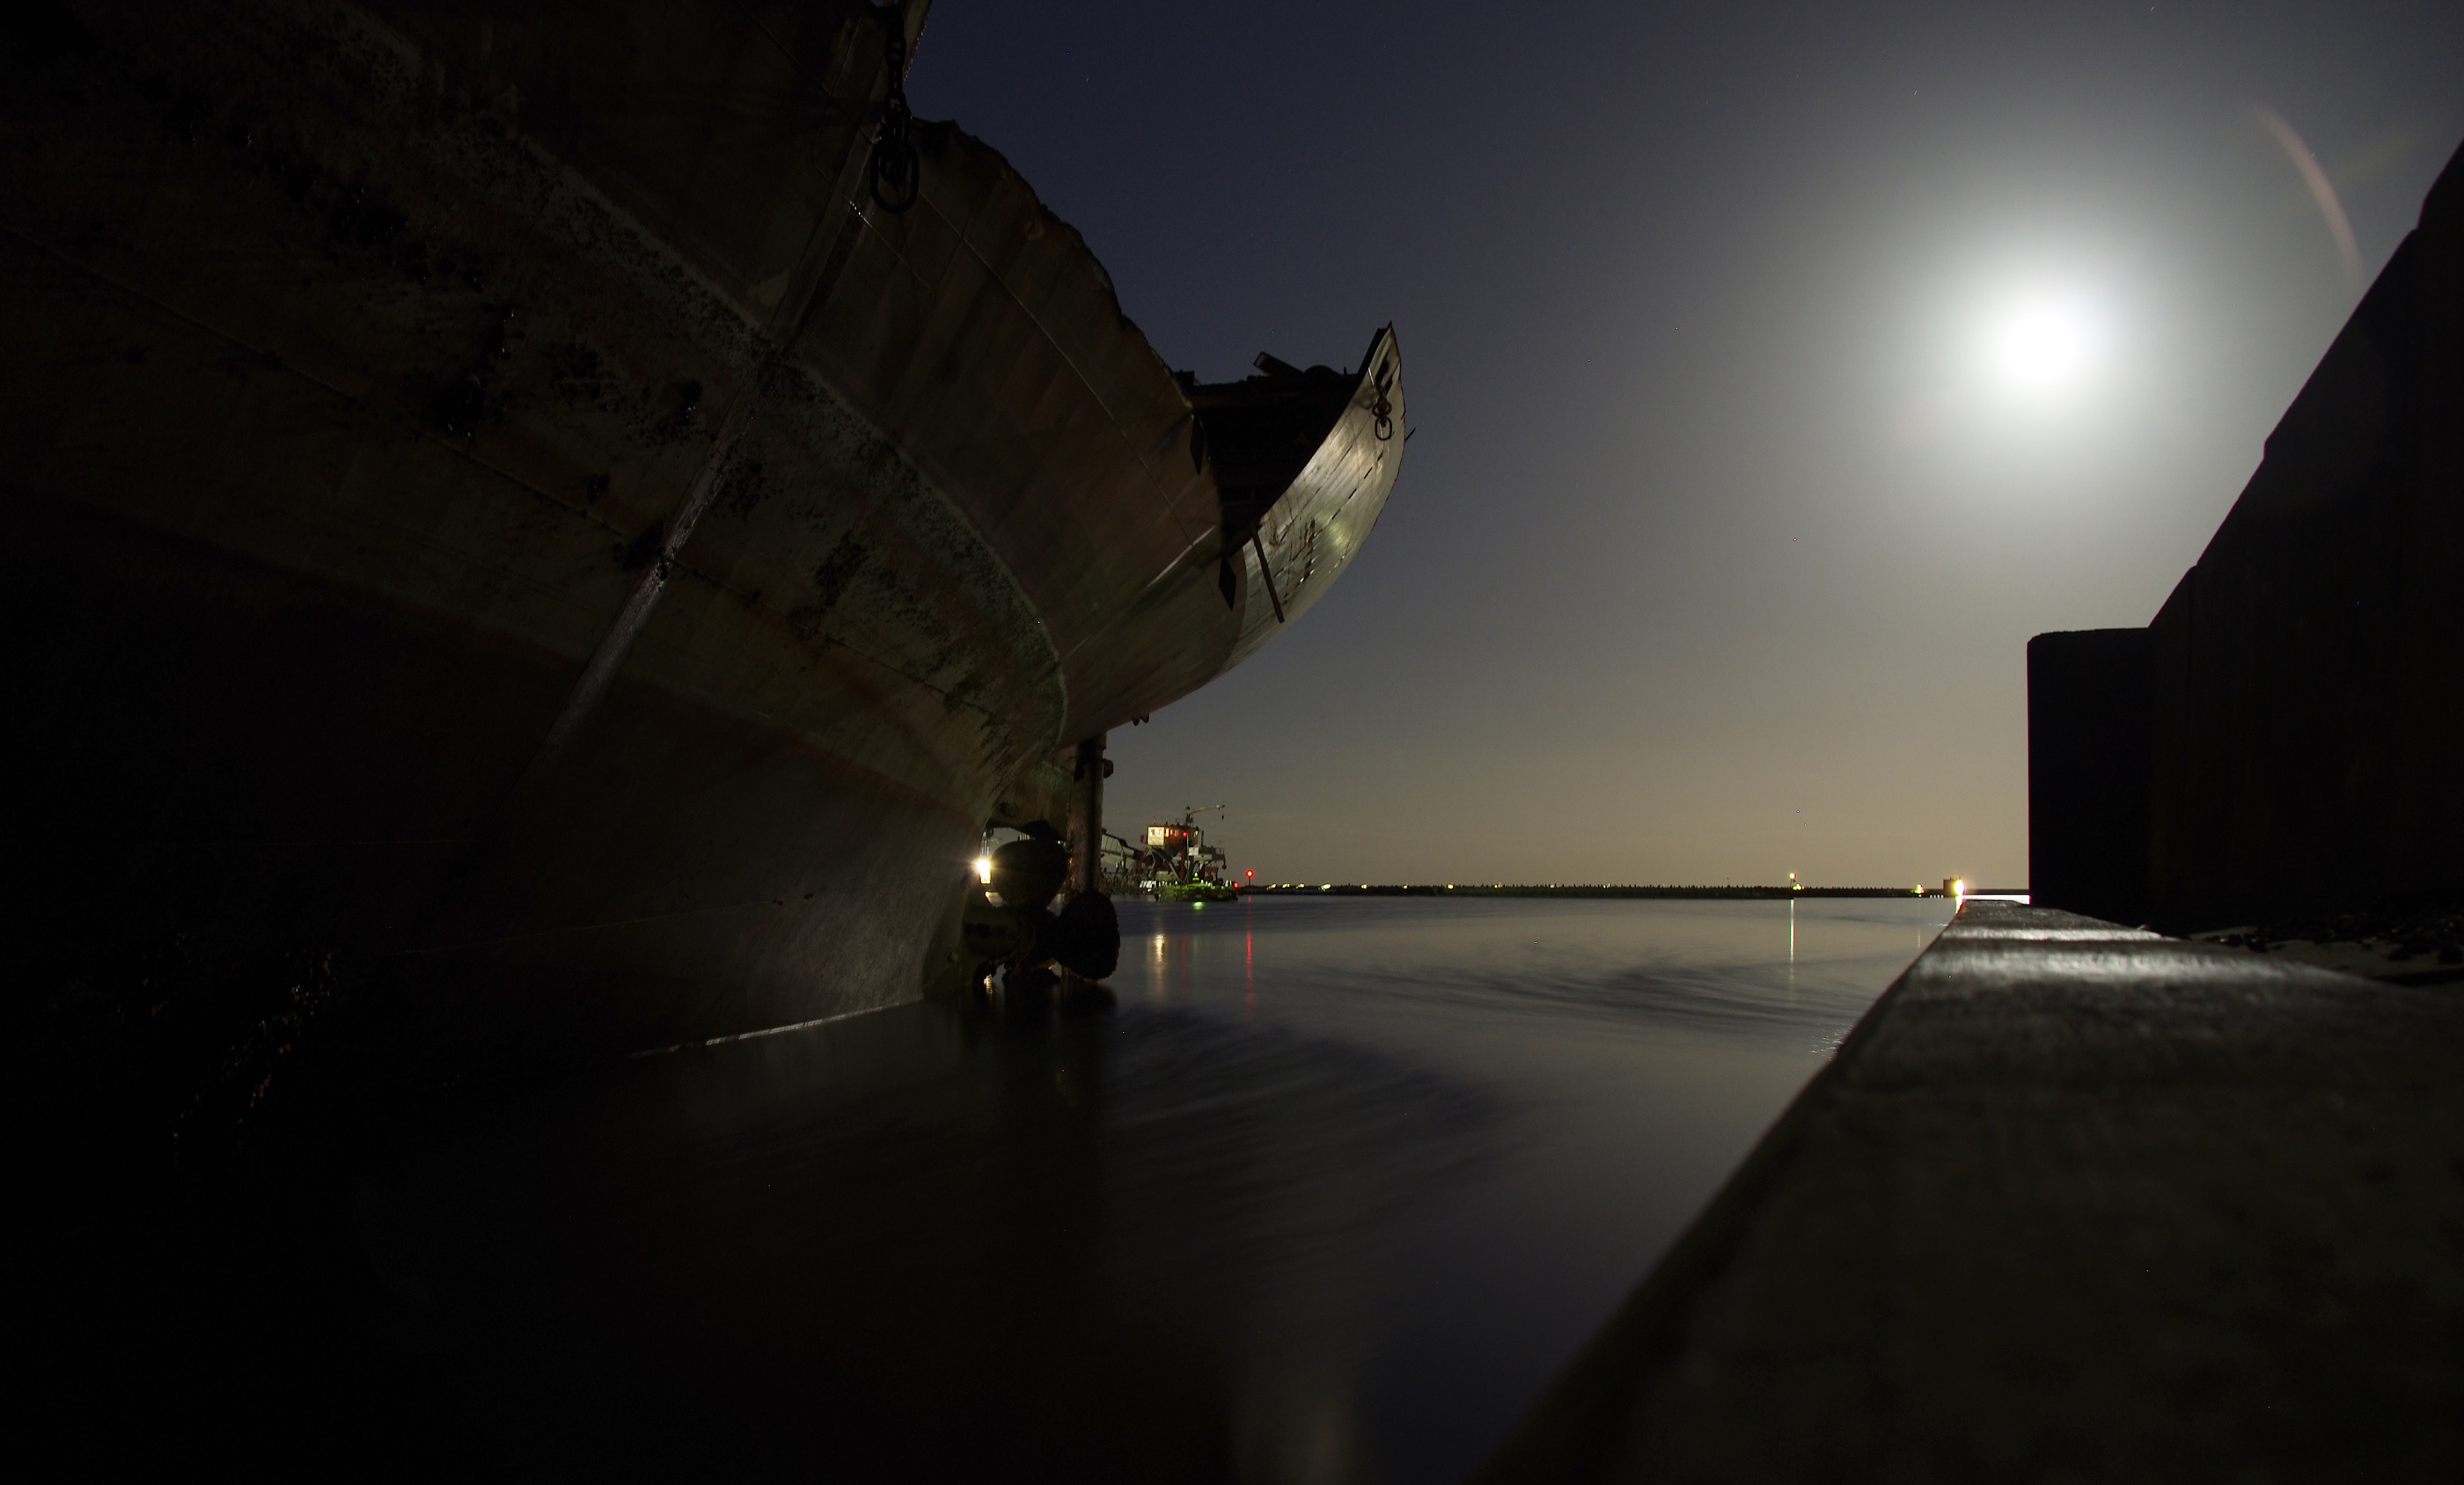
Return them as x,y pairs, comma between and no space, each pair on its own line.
2073,1202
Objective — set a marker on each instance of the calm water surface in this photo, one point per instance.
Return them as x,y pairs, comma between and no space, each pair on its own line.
1329,1195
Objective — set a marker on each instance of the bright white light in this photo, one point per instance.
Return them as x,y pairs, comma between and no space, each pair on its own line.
984,869
2043,344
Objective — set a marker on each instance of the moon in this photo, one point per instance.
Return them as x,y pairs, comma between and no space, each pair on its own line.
2043,344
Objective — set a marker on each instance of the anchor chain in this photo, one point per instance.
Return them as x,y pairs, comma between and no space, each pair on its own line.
894,170
1383,409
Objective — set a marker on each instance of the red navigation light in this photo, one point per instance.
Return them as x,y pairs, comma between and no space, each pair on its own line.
1250,874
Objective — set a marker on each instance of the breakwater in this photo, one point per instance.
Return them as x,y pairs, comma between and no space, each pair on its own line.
1580,891
2074,1201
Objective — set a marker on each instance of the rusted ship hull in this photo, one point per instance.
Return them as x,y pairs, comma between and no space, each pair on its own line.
497,503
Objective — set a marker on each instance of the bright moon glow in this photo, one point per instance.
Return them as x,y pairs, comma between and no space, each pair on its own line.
2043,345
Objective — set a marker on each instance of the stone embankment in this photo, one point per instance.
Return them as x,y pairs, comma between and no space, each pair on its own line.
2075,1201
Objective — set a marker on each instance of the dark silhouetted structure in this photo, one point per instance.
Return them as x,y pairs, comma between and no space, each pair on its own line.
2088,772
2305,684
567,522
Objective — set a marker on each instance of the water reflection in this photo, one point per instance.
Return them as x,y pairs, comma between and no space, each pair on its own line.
1328,1196
1605,1063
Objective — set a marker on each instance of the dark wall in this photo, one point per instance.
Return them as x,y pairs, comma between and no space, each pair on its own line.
2309,699
2306,708
2088,772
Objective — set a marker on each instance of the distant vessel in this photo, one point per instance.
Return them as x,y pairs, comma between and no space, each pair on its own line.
1182,867
579,518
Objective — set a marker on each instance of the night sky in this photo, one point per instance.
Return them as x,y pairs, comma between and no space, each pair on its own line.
1776,372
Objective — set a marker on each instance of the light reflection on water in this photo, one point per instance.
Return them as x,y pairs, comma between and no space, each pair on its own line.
1564,1084
1329,1195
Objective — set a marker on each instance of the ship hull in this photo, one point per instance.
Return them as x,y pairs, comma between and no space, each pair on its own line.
753,880
500,508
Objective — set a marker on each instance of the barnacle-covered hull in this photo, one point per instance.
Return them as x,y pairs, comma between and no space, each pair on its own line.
498,505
